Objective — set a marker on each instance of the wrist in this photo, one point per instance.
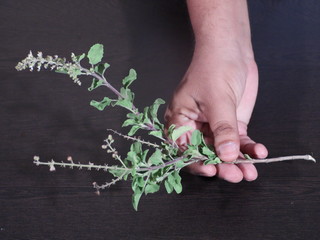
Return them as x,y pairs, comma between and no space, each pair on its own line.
221,24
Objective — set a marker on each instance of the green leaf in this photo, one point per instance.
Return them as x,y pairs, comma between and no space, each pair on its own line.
174,180
156,133
144,156
177,187
136,147
131,115
145,118
61,70
132,157
95,83
136,198
130,78
196,137
155,106
216,160
179,131
117,172
95,54
151,188
171,179
101,105
246,156
170,130
101,68
181,163
208,152
168,186
124,103
133,130
80,57
127,94
128,122
156,157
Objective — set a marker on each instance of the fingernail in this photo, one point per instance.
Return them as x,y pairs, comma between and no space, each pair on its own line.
227,149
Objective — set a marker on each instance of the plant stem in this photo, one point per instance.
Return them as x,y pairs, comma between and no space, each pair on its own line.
160,166
135,139
79,165
276,159
104,80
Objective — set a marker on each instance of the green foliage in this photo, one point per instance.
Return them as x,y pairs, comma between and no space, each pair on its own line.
95,83
146,169
101,68
102,104
130,78
95,54
176,133
196,137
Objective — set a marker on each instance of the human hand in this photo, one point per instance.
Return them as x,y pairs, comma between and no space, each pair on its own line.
217,97
218,92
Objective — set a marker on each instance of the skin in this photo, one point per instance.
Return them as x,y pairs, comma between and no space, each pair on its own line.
218,92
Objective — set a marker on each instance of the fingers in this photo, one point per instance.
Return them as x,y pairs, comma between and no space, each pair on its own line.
256,150
223,124
229,172
249,171
200,169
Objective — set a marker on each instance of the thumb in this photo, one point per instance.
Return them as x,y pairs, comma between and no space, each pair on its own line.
223,123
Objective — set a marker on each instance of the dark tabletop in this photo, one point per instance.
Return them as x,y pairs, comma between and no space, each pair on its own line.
46,114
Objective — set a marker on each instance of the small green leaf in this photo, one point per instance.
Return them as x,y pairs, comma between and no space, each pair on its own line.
136,198
155,106
171,179
61,70
246,156
146,118
151,188
216,160
144,156
95,83
128,122
168,186
179,131
95,54
130,78
131,115
80,57
101,68
196,137
117,172
127,94
157,134
170,130
132,157
133,130
208,152
177,187
101,105
136,147
156,157
181,163
174,180
124,103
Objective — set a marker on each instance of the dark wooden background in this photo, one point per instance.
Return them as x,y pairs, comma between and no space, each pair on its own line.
46,114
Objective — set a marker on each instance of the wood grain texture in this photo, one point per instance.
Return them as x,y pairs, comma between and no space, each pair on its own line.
48,115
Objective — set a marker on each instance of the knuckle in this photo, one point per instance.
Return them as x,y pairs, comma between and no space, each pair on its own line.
222,128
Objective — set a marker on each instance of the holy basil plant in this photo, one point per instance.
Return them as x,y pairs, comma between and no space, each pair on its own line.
147,165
